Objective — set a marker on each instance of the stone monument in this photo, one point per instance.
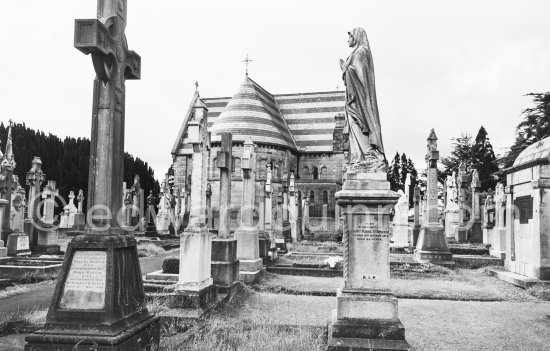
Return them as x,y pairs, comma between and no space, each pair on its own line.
247,234
99,300
366,315
432,243
400,225
463,207
451,208
225,265
498,239
35,177
475,234
195,289
80,217
150,229
415,230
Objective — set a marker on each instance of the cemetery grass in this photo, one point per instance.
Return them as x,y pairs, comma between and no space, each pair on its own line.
226,330
456,285
331,247
149,250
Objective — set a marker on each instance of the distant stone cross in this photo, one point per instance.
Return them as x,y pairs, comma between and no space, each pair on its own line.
246,63
197,85
105,40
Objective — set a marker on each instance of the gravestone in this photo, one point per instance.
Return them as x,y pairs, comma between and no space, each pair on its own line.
150,229
49,194
210,221
305,220
99,300
263,240
464,208
80,217
69,211
292,211
269,212
415,230
451,208
35,177
163,218
475,234
225,265
247,234
138,201
498,237
400,225
195,290
285,227
18,207
432,243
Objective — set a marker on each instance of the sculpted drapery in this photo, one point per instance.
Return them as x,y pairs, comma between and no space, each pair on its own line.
363,122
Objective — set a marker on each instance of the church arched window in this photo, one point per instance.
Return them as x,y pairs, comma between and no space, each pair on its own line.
263,169
315,173
305,173
238,171
324,173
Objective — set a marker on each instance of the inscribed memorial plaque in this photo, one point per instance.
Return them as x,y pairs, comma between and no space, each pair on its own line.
369,259
85,284
22,243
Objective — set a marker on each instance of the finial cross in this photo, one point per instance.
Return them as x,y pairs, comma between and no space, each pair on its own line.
247,62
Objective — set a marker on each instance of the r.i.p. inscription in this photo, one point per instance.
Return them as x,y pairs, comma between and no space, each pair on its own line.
85,284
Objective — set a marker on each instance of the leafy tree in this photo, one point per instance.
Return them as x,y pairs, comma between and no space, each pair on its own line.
535,126
483,159
462,152
66,161
394,173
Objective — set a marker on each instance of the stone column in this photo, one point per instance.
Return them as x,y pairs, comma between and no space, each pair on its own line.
415,230
299,214
280,241
366,315
210,221
225,265
498,244
151,229
35,177
263,240
324,217
248,251
305,220
292,209
269,211
510,227
195,288
337,217
432,243
475,234
3,204
464,180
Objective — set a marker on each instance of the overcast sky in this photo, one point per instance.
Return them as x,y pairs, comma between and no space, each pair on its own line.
448,65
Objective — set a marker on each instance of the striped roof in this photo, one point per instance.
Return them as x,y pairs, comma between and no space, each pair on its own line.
253,112
303,122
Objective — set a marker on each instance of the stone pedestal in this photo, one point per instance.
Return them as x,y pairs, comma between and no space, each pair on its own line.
46,241
497,239
248,254
195,290
400,234
451,224
224,265
432,246
79,221
366,315
92,307
18,244
3,250
414,233
475,234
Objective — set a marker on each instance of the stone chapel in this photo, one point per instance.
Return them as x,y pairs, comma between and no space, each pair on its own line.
299,133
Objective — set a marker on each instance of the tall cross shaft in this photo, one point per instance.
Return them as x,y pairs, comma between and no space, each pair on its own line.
105,40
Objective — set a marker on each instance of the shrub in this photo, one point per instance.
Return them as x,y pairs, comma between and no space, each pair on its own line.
541,291
148,250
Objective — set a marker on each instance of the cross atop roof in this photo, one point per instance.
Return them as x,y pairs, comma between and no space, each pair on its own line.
246,62
197,85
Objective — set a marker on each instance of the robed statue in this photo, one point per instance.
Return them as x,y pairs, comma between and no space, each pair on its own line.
366,150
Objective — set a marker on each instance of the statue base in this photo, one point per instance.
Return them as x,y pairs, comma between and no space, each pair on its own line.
110,313
432,247
225,265
366,315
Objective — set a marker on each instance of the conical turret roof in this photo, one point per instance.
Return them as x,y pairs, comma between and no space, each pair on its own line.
253,112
